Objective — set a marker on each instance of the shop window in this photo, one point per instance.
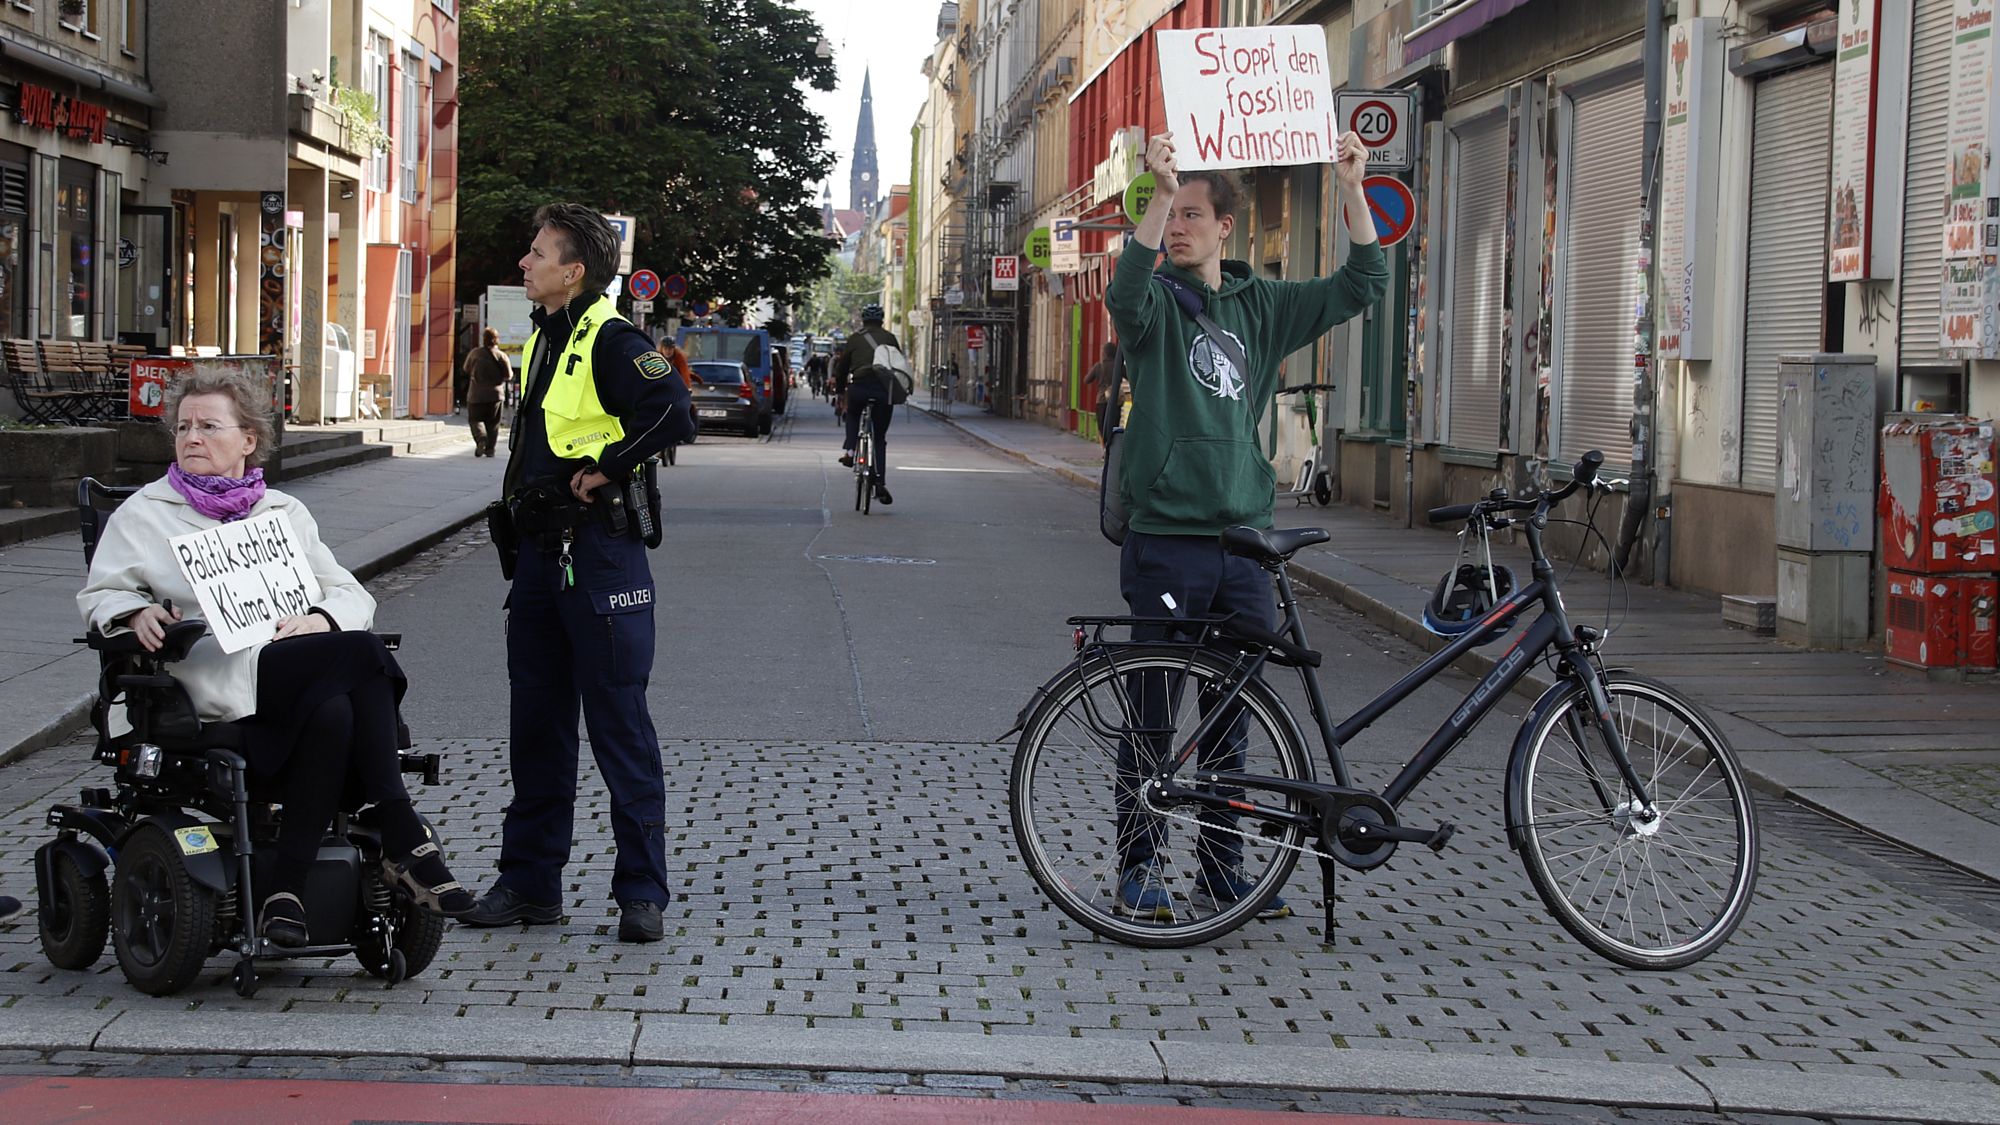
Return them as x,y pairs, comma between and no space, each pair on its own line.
76,251
13,251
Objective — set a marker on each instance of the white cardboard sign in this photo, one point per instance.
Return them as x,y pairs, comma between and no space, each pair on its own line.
247,575
1244,97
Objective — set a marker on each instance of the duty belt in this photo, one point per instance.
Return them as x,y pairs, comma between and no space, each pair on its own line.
548,515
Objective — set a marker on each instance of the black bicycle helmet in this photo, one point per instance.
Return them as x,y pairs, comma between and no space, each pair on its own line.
871,314
1464,596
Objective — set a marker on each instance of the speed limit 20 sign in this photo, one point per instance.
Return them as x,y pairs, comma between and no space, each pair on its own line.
1386,120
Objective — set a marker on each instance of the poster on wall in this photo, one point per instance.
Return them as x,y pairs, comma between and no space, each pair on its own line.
1870,87
1689,144
1966,310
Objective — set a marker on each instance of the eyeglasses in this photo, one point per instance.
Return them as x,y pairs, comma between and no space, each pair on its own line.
207,428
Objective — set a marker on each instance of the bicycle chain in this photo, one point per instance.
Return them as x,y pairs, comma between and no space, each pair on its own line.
1195,819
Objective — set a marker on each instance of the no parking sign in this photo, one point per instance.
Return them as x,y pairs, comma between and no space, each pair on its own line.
1391,205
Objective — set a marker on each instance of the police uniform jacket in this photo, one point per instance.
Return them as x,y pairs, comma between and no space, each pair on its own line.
133,568
635,383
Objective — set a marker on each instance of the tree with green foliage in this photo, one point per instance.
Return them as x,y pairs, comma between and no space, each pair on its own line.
836,298
685,114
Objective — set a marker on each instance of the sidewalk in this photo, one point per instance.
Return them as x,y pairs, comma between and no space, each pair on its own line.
374,515
1879,746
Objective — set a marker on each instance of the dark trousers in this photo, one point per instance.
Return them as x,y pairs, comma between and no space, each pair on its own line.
326,716
1203,580
484,417
587,646
861,394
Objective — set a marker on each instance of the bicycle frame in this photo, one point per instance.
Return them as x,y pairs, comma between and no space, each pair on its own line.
1550,629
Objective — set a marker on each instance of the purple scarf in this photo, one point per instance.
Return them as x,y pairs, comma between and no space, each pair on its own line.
226,499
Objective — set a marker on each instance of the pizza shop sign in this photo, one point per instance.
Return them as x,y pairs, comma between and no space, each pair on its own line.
42,108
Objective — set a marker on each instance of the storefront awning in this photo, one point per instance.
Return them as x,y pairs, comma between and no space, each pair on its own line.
1455,20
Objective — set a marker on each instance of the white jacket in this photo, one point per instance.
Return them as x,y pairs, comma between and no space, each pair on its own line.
133,569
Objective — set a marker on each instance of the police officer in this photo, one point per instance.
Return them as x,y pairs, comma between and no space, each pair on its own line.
865,388
596,402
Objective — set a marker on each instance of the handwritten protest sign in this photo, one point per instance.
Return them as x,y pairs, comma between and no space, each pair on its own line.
1248,97
247,575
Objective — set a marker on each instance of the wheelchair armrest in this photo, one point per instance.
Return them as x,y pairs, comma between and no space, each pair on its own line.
181,636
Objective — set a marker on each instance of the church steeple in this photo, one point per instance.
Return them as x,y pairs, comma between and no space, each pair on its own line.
864,187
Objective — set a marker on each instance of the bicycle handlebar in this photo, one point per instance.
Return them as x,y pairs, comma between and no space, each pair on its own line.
1302,388
1583,475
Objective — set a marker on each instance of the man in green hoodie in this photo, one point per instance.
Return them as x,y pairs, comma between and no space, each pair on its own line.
1192,462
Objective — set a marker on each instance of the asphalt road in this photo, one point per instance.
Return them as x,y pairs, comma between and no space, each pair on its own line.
830,689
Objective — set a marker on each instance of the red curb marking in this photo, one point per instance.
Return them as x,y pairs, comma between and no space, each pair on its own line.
260,1101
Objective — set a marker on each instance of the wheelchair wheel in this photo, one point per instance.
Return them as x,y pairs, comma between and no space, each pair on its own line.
76,917
418,935
163,922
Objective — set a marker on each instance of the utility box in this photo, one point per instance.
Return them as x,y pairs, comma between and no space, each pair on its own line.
1825,497
1939,621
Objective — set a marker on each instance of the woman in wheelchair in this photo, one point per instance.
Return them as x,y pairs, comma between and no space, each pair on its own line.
317,702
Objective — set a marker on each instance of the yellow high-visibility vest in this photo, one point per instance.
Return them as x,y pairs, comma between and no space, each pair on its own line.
572,414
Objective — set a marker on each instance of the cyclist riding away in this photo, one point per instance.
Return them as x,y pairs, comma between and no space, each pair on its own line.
1192,462
867,385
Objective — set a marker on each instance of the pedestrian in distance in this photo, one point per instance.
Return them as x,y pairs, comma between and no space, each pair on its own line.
867,385
573,526
317,702
674,354
1192,464
487,372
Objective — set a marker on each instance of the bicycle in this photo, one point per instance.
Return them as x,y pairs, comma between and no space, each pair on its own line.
867,474
1629,810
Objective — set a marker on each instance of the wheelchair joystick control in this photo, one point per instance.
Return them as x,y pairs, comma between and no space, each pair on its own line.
146,760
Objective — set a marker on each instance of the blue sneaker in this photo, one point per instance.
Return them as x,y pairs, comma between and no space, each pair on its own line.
1142,893
1219,890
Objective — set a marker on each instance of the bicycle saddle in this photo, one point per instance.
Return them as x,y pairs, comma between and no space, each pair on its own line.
1270,546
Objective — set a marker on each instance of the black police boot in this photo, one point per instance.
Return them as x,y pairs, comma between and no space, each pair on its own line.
640,922
502,907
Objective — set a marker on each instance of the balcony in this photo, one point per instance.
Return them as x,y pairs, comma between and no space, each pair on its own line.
314,120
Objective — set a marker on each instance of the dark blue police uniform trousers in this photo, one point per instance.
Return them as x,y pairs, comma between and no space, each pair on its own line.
590,643
1204,580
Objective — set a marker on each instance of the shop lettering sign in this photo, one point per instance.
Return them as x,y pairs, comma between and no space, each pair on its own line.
42,108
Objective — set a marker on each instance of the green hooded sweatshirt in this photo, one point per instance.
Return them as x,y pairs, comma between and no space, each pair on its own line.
1192,463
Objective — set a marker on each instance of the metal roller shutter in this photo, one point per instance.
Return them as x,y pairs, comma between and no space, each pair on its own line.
1790,144
1921,274
1478,263
1600,256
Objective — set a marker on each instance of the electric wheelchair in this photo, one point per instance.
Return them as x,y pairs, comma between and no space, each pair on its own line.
164,861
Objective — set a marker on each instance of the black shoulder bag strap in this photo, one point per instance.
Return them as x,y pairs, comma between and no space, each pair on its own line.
1191,302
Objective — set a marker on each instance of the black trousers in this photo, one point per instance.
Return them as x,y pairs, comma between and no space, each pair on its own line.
861,394
325,737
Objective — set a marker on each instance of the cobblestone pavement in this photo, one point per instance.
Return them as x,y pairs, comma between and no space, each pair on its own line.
97,1064
797,910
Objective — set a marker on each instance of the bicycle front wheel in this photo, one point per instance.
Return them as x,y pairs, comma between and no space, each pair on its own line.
1126,867
1658,893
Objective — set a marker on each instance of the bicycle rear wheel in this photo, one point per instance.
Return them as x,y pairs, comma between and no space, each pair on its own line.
1122,867
1657,894
864,449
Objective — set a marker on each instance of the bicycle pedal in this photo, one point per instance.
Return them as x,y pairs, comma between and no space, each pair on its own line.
1441,837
